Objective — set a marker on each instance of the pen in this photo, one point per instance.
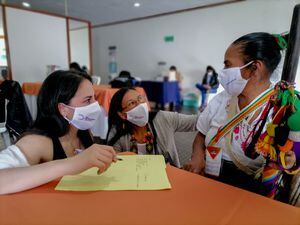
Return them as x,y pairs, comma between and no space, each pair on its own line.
119,159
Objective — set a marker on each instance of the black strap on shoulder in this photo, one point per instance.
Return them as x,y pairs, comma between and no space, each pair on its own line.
58,151
85,138
115,138
152,116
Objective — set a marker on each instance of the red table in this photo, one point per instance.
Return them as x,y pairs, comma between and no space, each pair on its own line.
193,200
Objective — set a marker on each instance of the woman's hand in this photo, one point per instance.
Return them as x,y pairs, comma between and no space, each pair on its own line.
195,165
23,178
290,159
197,162
100,156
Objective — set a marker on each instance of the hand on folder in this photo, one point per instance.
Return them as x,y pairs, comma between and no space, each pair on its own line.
100,156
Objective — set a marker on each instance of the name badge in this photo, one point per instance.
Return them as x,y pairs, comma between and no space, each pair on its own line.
213,156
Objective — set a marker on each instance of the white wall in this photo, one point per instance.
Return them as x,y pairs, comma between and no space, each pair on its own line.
1,22
35,41
201,38
3,61
79,45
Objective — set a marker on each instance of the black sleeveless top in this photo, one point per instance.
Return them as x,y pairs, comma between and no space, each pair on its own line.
58,151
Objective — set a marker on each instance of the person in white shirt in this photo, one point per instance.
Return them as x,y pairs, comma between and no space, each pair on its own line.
249,62
174,74
67,109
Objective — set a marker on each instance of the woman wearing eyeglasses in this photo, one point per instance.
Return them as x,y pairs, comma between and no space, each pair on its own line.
132,128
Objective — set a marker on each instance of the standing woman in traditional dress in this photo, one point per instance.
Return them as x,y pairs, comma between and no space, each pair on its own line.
221,147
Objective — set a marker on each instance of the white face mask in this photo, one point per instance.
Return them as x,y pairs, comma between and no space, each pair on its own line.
209,73
85,117
232,80
139,115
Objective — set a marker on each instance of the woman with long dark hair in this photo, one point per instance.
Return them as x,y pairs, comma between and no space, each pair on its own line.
67,110
133,128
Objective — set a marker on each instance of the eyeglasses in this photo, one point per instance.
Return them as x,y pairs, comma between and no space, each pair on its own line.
132,103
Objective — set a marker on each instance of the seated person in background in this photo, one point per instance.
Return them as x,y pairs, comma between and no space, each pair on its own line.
123,80
229,156
50,149
209,84
4,74
174,74
18,117
75,67
85,69
132,128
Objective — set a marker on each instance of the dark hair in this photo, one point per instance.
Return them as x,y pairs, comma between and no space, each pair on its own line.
210,68
125,74
59,87
260,46
4,74
114,120
173,68
75,66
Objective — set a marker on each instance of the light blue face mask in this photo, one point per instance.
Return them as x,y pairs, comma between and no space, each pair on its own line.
232,81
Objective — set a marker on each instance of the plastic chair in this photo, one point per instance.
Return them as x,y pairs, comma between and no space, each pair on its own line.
4,134
17,118
96,80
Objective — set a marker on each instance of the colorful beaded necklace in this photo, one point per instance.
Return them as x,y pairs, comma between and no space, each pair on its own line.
148,139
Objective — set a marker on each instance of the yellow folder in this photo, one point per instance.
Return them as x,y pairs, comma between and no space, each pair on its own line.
134,172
